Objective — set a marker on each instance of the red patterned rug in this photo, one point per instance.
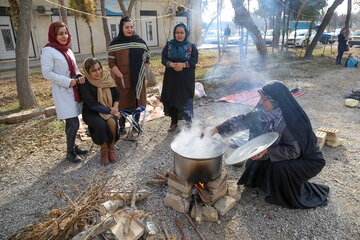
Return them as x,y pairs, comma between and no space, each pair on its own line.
249,97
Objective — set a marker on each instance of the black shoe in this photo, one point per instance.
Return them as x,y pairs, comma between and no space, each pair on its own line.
73,157
80,150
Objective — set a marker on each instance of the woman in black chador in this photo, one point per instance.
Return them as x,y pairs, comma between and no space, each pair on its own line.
179,56
282,170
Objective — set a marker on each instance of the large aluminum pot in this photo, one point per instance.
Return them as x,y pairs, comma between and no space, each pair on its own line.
198,169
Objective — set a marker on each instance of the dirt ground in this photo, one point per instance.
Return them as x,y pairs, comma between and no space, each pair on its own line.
33,169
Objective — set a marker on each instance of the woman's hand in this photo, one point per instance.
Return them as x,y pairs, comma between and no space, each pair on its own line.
117,72
260,155
73,83
114,111
209,131
81,79
176,66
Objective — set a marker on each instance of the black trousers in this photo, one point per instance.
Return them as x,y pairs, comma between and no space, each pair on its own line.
71,128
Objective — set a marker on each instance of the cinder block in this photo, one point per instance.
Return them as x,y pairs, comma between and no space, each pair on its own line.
321,139
50,111
329,131
23,116
225,204
177,203
337,143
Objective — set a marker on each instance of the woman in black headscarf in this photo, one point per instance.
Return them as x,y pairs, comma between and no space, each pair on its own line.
128,56
342,44
179,56
282,170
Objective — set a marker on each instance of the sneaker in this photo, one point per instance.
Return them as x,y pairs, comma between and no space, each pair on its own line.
80,150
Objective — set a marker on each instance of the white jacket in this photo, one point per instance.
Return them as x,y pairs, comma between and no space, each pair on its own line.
55,68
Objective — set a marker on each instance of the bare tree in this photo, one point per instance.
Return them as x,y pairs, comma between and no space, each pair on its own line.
322,27
243,17
105,24
87,14
127,12
348,15
63,12
21,13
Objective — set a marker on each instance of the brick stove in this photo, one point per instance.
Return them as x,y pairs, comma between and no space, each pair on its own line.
206,202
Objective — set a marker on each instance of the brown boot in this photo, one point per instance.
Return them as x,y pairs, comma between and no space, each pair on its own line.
104,156
112,154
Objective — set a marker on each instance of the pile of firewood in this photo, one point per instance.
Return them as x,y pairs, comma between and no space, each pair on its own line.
97,210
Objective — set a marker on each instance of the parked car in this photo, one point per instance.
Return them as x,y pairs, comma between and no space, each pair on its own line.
354,38
324,39
302,36
334,35
269,37
211,37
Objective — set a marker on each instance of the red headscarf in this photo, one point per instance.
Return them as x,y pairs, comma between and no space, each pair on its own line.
63,49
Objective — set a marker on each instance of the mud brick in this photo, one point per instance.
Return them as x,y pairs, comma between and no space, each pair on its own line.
218,181
218,195
23,116
178,183
337,143
209,214
182,194
234,190
177,203
50,111
215,191
225,204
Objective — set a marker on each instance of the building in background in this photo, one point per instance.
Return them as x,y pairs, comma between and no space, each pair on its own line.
154,22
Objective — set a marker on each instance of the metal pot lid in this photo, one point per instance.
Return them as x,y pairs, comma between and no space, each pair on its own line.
252,147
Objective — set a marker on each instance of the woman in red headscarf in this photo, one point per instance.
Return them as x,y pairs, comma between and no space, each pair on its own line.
59,66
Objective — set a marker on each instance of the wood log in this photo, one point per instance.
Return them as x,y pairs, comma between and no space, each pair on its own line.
183,237
132,208
96,230
160,176
196,228
112,205
161,181
164,228
198,213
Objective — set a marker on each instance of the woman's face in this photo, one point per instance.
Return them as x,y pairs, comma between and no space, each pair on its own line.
180,34
96,71
128,28
62,36
266,103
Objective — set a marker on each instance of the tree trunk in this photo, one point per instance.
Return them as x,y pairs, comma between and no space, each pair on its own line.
105,25
348,15
25,94
245,19
276,37
63,12
91,40
322,27
127,12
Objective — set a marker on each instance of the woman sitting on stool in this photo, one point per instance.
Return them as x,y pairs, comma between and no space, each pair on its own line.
100,112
